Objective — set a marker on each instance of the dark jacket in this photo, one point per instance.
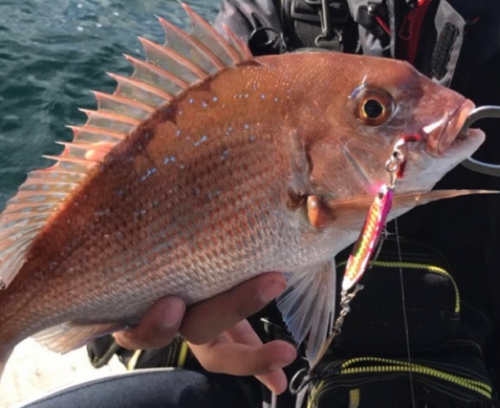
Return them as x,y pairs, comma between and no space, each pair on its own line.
458,45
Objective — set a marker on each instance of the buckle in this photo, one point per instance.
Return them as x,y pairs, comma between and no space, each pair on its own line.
317,10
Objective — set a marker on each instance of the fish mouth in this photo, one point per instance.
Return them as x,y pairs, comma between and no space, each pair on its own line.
448,131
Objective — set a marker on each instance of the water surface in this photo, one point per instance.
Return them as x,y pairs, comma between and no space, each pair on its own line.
52,53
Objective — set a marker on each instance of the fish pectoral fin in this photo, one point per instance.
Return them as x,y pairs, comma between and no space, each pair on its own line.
308,305
69,336
412,199
349,213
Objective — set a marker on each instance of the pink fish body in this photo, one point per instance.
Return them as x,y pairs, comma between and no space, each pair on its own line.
194,176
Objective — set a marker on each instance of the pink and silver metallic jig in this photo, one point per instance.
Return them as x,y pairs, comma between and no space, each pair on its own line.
369,238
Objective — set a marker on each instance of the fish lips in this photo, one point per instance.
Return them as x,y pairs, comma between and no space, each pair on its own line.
442,134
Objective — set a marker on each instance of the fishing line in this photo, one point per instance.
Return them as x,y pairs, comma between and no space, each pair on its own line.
274,400
403,301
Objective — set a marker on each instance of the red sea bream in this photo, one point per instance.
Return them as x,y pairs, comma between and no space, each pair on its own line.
194,176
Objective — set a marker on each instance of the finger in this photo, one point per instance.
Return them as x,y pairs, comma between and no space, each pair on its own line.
264,361
276,381
157,328
243,332
211,317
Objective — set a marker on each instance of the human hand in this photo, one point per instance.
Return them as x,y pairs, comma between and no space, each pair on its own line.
219,336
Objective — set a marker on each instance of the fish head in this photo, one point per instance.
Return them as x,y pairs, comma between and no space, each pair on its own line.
372,104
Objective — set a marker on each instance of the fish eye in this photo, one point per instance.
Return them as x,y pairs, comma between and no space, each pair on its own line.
374,106
373,109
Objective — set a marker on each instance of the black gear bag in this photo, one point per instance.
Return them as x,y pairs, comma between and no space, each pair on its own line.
425,349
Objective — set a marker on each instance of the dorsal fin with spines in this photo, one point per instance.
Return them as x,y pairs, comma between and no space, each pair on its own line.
183,61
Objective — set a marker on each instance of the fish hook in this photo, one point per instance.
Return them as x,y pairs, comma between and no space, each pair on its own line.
483,112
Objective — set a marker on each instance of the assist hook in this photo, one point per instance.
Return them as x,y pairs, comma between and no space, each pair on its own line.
483,112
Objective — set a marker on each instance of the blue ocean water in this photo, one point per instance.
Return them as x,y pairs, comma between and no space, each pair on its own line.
52,53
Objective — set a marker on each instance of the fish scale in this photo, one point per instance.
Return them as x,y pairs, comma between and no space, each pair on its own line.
97,260
197,174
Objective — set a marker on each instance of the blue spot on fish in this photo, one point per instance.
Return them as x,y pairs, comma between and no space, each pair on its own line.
191,100
169,159
139,213
203,139
148,174
246,126
100,213
215,99
225,154
262,96
178,133
251,139
204,104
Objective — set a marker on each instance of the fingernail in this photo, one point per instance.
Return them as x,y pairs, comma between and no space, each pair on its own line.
271,291
172,315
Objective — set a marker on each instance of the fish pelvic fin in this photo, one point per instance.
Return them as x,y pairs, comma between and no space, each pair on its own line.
69,336
308,306
169,69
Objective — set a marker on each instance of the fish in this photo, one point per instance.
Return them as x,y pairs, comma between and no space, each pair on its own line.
197,174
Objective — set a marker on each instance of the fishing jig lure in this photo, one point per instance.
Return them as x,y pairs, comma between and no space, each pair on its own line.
369,238
367,243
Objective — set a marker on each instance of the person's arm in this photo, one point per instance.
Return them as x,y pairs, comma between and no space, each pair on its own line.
219,336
